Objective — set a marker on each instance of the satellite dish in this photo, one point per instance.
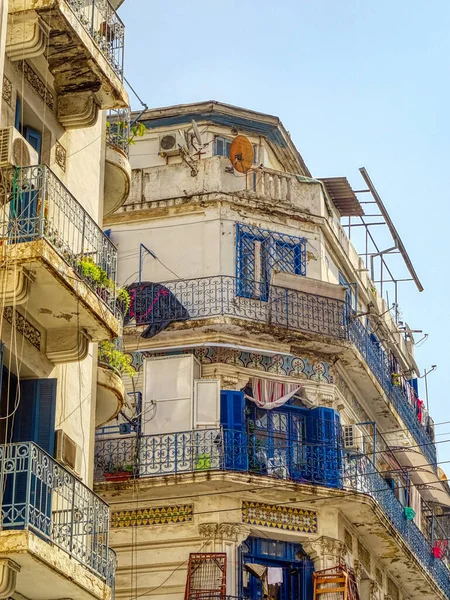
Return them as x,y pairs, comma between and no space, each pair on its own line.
241,154
197,134
182,140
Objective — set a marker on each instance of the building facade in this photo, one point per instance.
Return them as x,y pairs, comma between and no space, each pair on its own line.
275,415
62,169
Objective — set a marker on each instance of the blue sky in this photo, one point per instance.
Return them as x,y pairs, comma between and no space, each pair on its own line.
357,83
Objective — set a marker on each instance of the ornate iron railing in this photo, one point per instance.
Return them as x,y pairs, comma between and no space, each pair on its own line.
218,449
118,130
43,497
360,475
103,24
221,295
41,207
378,362
224,295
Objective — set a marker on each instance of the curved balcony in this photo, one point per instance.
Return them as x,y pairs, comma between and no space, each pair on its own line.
60,264
361,492
209,299
117,166
54,526
110,388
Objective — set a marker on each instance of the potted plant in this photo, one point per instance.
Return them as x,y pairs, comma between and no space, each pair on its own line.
115,358
119,472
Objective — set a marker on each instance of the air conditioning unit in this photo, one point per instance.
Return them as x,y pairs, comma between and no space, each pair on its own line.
353,438
15,151
170,144
68,452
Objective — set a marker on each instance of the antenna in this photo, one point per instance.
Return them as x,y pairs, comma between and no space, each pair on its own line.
197,134
241,154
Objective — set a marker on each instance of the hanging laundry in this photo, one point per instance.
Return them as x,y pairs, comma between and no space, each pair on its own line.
419,408
154,305
270,394
274,575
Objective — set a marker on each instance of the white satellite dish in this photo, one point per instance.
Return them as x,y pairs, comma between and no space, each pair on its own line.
197,134
182,140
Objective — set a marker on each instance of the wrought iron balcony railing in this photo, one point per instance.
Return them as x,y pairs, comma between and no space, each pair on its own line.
41,207
118,130
41,496
216,449
222,295
103,24
360,475
224,450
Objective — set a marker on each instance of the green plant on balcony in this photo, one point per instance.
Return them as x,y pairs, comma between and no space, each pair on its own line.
116,359
118,472
124,299
121,135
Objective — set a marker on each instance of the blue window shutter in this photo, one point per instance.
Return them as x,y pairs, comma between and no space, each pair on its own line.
17,115
232,405
232,419
44,429
35,417
34,138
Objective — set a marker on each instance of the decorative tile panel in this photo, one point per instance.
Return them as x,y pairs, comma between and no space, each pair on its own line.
37,84
60,156
7,90
155,515
289,366
279,517
23,326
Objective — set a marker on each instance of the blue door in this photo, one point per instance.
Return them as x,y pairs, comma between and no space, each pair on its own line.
296,569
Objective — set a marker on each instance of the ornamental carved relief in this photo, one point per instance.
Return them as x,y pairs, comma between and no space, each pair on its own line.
326,551
30,333
224,531
7,91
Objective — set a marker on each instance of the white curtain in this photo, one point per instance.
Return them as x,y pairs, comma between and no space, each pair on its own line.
270,394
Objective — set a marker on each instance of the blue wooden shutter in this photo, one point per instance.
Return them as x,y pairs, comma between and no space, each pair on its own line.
35,417
232,419
232,406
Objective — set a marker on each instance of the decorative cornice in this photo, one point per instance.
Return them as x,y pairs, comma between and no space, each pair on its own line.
8,577
326,548
234,532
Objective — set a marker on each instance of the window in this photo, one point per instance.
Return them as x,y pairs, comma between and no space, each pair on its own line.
222,148
258,252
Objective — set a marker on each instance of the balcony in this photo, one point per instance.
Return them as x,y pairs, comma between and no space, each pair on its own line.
117,166
227,301
54,524
59,264
83,42
323,464
110,388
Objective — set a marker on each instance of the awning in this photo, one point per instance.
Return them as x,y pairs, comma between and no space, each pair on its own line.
422,475
343,197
